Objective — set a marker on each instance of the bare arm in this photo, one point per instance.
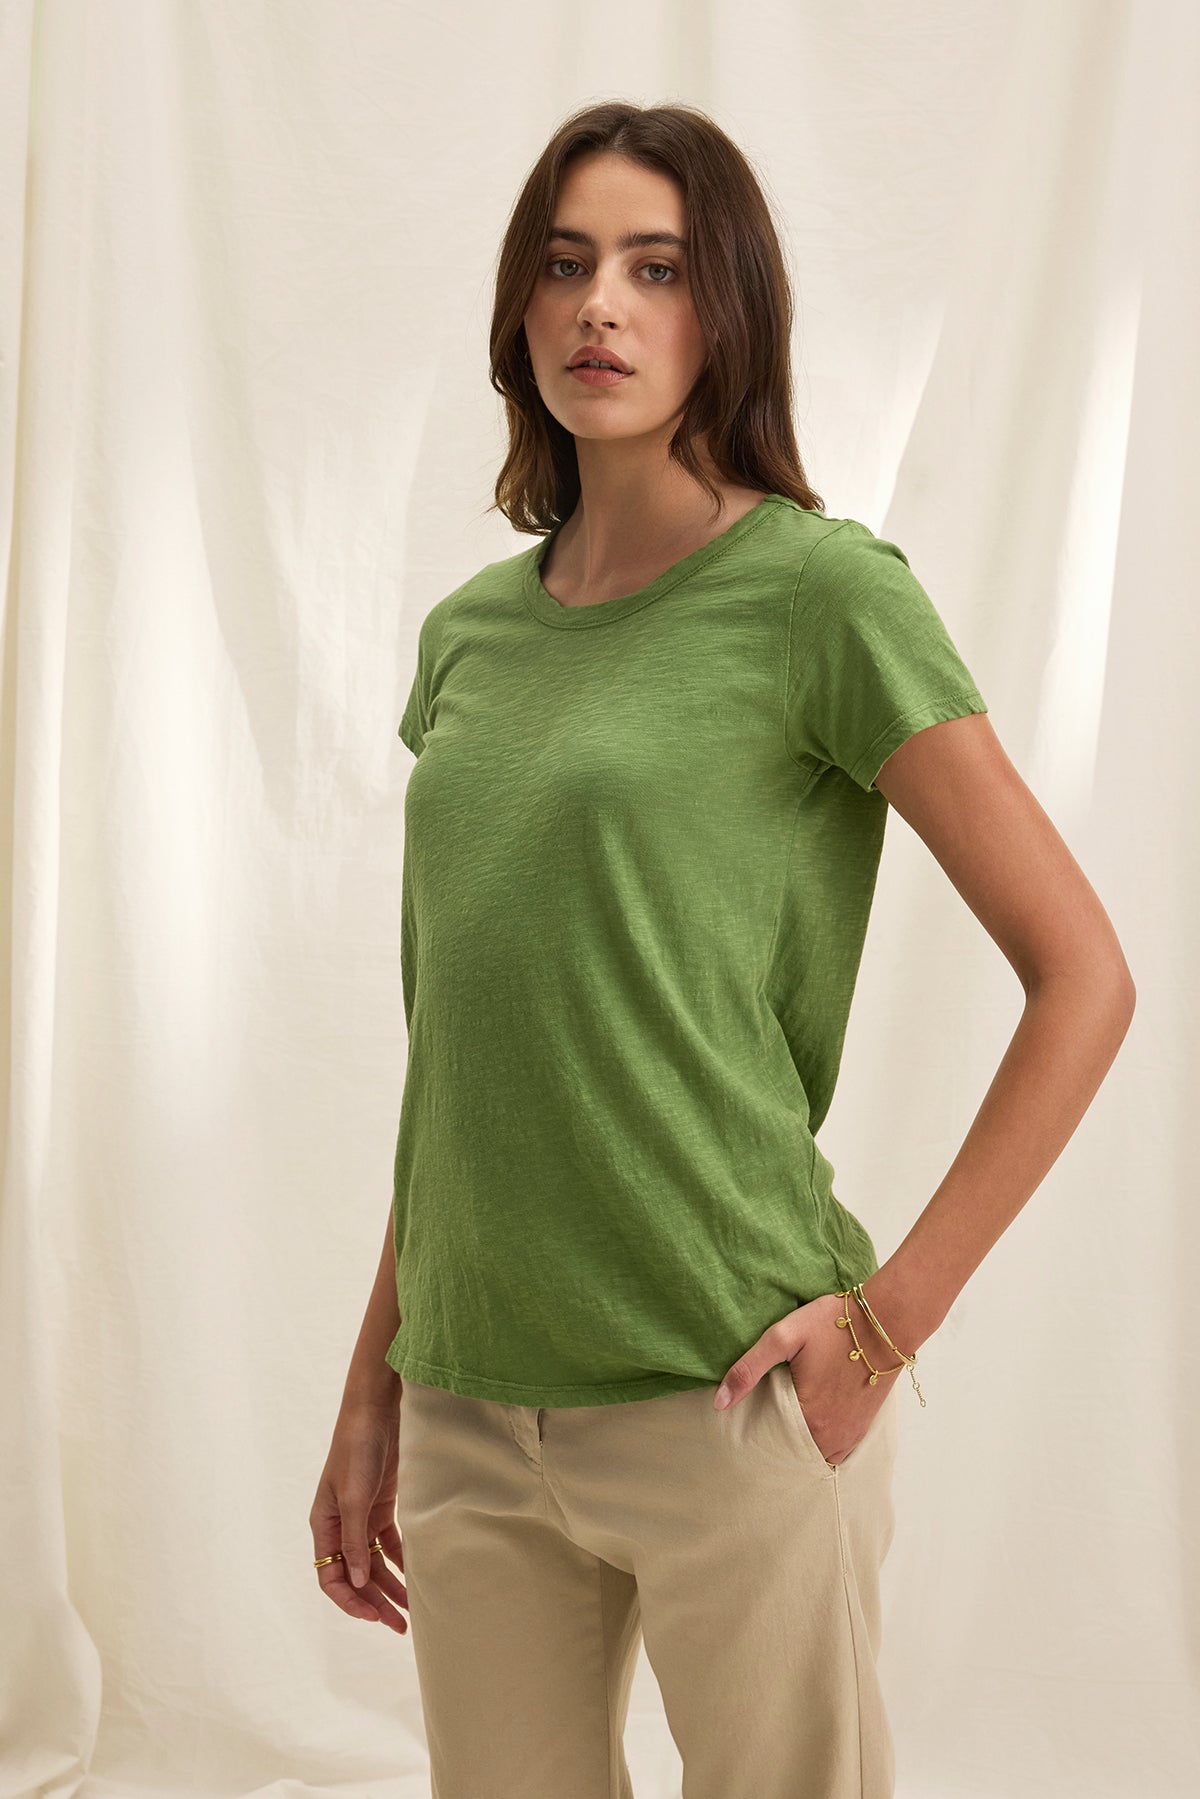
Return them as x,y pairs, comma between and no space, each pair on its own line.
371,1381
956,787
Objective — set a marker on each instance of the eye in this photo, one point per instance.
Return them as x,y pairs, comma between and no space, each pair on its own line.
666,266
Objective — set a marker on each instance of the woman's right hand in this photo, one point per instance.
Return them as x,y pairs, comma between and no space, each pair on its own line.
355,1504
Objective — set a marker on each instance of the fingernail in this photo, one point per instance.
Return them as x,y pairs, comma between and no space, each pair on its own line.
357,1574
723,1396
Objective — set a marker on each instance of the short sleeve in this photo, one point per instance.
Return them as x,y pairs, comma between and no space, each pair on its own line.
870,661
435,653
412,719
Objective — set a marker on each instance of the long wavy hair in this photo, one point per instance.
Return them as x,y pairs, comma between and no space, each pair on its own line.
740,407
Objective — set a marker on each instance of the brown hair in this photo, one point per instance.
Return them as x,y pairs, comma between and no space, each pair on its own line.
741,405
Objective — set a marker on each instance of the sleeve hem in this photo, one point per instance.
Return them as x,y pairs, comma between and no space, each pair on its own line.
932,712
410,734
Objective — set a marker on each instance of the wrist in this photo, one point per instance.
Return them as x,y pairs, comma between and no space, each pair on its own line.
905,1315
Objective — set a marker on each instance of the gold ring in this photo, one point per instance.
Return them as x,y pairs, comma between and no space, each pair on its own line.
337,1555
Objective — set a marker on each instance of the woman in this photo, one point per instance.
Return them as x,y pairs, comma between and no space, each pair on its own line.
656,752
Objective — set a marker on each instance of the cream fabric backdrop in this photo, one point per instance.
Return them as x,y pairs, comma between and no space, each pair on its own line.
248,440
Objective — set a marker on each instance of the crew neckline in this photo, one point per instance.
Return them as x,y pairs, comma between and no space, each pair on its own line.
544,606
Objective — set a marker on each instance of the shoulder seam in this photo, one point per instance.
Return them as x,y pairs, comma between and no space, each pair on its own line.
808,762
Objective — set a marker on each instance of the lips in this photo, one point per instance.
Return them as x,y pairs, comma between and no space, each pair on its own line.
594,353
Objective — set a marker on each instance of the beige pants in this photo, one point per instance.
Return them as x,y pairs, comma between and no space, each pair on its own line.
542,1545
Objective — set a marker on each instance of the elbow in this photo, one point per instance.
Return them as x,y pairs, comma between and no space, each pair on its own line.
1106,979
1127,1000
1127,990
1118,977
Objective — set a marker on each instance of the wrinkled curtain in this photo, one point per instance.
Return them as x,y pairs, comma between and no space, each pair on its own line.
246,441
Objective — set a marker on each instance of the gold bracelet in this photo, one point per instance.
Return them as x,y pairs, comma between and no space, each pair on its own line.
908,1361
859,1292
859,1354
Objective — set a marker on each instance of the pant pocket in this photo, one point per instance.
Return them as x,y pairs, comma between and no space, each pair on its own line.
791,1399
880,1424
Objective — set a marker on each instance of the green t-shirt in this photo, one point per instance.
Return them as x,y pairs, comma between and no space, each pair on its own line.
641,843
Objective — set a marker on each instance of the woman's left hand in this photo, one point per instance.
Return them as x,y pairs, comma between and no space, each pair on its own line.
835,1394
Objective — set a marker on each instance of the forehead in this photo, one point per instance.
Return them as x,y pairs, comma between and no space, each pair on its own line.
603,197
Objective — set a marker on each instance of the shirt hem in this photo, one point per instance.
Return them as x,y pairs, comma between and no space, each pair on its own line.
479,1386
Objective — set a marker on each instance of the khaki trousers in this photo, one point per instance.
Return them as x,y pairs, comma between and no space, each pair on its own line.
542,1545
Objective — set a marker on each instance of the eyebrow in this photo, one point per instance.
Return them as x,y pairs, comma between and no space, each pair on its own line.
631,240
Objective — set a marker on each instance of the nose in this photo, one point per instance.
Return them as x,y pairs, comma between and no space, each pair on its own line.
592,311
